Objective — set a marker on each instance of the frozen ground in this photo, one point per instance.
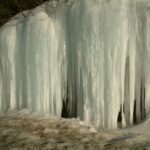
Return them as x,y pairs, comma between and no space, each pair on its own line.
22,130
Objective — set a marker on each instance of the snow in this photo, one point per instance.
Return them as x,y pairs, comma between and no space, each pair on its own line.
95,53
22,130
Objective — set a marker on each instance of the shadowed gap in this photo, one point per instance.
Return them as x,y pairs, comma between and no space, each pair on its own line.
66,112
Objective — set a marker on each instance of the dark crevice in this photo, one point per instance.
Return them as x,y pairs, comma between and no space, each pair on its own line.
142,103
142,107
65,110
134,113
119,119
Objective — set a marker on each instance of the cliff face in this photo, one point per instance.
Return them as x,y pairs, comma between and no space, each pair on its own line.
93,55
10,8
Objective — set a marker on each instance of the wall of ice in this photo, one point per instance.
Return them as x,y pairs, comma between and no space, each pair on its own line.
92,54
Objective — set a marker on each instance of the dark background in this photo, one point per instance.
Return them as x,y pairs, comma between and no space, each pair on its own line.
9,8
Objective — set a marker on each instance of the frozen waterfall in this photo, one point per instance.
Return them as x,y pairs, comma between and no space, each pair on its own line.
92,54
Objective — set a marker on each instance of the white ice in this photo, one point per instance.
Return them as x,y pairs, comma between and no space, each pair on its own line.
95,53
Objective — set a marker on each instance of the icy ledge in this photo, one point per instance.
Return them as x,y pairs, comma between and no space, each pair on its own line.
92,54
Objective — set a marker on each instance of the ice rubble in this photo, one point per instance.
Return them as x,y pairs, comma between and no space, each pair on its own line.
93,53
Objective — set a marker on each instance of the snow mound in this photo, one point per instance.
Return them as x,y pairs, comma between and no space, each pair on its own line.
42,133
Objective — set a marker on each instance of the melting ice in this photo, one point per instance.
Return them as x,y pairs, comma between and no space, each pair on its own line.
92,54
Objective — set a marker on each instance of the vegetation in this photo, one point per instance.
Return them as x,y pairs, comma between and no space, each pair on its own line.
9,8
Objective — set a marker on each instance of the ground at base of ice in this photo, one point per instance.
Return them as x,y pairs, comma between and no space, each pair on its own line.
24,131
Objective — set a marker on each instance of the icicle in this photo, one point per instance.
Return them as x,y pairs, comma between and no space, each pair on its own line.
91,54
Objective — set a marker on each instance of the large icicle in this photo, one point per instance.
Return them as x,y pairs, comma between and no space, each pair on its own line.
92,54
32,62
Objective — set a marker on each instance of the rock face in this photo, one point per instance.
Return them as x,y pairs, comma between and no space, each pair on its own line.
92,54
